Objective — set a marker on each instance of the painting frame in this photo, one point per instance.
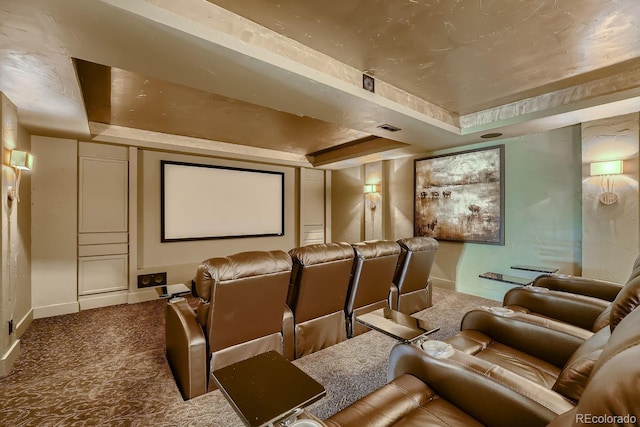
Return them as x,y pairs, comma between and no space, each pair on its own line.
459,196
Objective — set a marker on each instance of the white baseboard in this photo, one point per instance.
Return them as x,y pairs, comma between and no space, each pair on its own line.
9,358
55,310
142,295
443,283
23,324
88,302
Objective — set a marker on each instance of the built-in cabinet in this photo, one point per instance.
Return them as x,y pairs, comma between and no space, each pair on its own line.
313,223
103,212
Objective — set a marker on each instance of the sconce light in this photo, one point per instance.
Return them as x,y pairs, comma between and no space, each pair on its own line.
369,189
605,170
18,160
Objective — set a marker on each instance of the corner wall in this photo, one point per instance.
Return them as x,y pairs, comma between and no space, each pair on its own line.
15,286
54,219
611,236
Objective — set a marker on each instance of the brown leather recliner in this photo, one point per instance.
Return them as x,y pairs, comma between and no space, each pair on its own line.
412,274
241,313
537,347
583,311
596,288
371,281
460,389
317,294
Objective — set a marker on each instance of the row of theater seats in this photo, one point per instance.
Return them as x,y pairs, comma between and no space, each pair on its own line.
566,353
295,303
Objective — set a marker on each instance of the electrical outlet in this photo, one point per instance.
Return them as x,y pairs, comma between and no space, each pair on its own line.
152,279
10,326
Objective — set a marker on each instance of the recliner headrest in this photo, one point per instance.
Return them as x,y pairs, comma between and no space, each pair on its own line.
419,243
376,248
626,301
237,266
321,253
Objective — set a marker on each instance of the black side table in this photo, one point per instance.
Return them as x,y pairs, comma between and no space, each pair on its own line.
267,389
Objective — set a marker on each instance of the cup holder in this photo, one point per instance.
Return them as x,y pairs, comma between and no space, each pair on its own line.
438,349
538,289
499,311
305,423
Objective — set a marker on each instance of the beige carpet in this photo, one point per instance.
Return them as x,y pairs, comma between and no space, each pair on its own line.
107,367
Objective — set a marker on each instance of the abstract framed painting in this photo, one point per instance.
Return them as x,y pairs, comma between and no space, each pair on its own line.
460,196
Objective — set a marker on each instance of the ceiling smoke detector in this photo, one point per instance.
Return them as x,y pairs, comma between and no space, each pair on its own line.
389,128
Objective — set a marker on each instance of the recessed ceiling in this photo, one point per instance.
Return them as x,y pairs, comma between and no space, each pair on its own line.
286,76
122,98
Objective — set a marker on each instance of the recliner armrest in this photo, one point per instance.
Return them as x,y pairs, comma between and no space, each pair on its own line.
393,297
578,310
487,392
288,331
595,288
186,348
550,341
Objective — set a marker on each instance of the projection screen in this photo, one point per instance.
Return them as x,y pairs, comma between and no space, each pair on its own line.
214,202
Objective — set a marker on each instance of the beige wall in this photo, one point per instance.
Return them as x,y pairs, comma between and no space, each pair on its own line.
347,205
542,211
15,286
54,229
23,313
610,235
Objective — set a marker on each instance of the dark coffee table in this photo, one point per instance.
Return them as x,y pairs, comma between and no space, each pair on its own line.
397,325
267,388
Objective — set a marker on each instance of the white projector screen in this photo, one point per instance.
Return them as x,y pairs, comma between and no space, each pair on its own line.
214,202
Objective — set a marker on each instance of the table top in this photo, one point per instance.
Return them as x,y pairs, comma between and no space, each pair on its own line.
506,278
170,291
266,388
403,327
536,268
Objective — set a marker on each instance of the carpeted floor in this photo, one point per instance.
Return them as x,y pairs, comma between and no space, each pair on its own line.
107,367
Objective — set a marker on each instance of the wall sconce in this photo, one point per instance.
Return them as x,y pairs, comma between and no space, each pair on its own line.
605,170
19,161
369,190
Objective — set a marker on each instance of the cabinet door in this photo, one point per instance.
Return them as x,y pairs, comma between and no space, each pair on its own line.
103,195
312,207
103,273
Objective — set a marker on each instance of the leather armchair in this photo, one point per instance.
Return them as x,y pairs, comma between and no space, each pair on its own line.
412,274
465,390
549,352
317,294
371,281
579,285
583,311
241,313
595,288
536,351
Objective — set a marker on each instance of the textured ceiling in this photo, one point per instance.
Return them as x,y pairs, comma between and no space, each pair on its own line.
463,56
282,80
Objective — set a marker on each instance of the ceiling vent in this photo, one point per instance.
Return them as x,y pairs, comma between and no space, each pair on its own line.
389,128
491,135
